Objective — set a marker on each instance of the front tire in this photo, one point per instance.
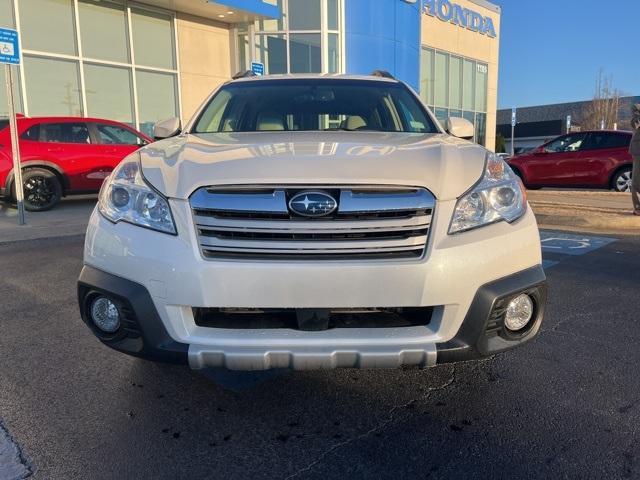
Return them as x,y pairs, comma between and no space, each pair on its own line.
42,190
621,181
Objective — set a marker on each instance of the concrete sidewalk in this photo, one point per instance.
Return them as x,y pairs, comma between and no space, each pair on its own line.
70,217
598,211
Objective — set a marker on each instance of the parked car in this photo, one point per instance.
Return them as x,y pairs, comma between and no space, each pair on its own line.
64,156
596,159
313,222
521,150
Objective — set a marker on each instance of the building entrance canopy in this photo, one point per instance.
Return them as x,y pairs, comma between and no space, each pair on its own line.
227,11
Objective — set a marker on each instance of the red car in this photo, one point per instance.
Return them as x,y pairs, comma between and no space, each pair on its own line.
598,159
63,155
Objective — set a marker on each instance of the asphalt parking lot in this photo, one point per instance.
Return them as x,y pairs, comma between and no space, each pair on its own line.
565,406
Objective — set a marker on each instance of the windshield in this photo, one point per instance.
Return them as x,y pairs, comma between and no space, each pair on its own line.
314,105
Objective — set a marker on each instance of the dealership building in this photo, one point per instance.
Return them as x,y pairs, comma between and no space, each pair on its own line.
139,62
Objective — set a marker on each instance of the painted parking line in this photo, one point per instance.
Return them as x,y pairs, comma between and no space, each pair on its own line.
571,244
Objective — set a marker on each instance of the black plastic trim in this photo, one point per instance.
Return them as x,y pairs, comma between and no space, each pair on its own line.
142,334
478,338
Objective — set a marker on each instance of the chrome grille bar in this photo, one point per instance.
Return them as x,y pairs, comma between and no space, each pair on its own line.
255,222
367,202
270,202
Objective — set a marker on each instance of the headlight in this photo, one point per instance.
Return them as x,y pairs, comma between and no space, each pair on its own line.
498,196
125,196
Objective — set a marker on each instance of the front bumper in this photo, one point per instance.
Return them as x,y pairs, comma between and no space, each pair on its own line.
460,277
481,334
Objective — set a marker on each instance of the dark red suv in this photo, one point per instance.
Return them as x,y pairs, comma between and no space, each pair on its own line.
598,159
64,155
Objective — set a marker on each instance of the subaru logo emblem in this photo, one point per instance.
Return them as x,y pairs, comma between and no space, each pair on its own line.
312,204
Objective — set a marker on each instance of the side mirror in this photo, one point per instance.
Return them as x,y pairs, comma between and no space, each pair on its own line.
460,127
167,128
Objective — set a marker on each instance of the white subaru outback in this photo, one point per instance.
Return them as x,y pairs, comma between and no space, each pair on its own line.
312,222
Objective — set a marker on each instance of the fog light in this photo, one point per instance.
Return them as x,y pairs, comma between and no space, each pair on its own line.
105,315
519,313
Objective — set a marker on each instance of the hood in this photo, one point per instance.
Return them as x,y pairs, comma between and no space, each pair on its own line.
444,165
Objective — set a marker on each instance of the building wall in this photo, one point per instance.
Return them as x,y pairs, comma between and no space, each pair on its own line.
383,35
204,50
461,41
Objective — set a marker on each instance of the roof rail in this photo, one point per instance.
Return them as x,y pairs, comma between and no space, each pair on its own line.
382,73
244,74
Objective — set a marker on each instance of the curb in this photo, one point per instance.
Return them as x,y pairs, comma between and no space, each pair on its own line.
27,233
591,218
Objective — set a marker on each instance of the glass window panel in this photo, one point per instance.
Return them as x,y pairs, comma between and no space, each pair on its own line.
481,128
481,87
52,86
243,52
17,99
441,114
455,82
48,26
426,75
272,51
455,113
334,53
333,15
468,85
153,39
306,55
65,133
103,30
33,134
441,80
6,14
108,91
114,135
304,15
272,24
471,116
156,98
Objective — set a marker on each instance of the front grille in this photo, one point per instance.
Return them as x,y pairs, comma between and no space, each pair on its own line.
249,222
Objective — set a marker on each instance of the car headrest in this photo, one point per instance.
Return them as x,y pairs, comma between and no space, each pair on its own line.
269,122
354,122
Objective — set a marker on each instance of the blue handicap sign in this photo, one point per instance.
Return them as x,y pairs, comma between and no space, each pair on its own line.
9,46
257,68
571,244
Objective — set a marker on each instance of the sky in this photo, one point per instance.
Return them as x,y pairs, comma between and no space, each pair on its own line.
551,50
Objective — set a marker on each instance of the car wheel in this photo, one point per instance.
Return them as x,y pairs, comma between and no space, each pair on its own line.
622,180
42,189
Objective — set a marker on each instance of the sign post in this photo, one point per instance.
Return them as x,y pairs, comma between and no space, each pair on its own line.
10,55
513,130
568,123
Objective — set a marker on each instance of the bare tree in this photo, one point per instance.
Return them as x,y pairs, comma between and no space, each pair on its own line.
604,107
